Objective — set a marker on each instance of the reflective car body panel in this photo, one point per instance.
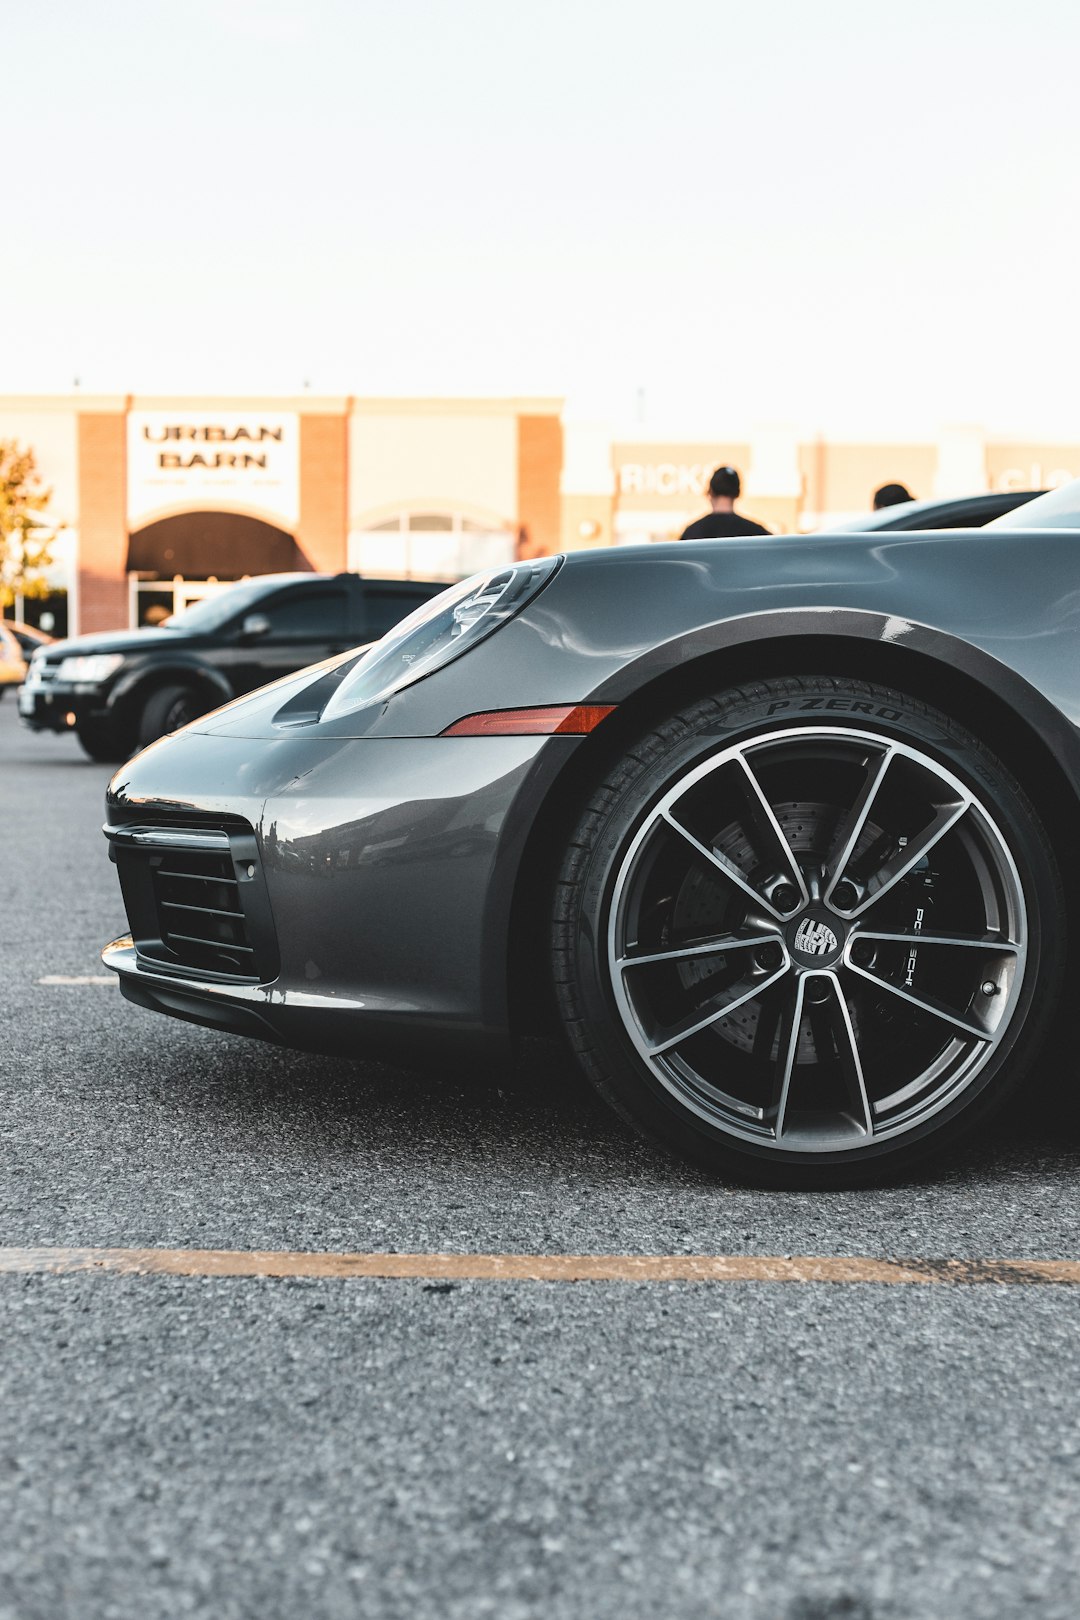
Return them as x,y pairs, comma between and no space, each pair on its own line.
959,512
392,855
610,621
388,866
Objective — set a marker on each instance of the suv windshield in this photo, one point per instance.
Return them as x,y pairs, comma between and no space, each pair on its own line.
213,611
1057,509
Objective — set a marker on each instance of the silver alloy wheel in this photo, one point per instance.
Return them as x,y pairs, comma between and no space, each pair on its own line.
817,938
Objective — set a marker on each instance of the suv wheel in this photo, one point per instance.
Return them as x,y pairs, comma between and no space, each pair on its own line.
166,710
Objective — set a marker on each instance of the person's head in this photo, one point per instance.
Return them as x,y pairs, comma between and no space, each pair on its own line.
891,495
725,487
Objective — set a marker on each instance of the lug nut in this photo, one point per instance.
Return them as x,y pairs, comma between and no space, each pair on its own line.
785,897
767,956
845,896
862,953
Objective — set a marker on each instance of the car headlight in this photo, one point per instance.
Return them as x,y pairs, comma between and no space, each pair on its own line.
439,631
89,668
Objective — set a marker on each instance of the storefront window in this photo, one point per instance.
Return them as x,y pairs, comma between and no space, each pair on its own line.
429,523
429,545
153,606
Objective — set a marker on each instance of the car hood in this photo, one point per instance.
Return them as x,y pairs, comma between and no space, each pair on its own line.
117,641
611,621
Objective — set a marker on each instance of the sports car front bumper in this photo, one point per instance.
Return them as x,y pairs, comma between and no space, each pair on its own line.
335,894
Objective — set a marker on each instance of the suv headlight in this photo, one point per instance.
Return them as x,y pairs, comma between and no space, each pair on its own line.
89,668
439,631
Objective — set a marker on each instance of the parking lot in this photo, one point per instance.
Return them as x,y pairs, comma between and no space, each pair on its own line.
252,1446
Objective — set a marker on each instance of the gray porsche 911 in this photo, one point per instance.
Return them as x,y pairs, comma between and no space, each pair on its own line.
780,833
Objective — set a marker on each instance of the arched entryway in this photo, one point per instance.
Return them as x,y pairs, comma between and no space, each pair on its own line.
177,559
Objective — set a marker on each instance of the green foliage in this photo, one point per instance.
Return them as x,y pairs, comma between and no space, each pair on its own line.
26,532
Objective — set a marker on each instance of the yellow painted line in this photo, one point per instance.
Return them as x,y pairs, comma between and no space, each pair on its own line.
563,1268
79,978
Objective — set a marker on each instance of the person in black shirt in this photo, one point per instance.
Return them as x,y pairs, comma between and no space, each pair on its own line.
724,490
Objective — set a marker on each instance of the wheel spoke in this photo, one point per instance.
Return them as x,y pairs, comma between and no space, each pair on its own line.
889,875
787,1051
764,822
850,830
695,1022
721,945
834,1037
722,864
927,1004
767,1025
847,1052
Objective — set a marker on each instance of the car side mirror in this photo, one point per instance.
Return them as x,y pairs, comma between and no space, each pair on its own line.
254,626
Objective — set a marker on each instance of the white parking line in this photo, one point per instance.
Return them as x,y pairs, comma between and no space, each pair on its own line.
79,978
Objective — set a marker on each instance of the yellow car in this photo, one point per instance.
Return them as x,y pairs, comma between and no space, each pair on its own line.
12,662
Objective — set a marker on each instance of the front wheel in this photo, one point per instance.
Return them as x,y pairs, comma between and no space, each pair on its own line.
808,932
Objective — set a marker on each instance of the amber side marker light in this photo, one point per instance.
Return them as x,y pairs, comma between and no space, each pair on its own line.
565,719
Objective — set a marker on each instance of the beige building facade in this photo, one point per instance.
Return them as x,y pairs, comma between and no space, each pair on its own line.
163,499
795,485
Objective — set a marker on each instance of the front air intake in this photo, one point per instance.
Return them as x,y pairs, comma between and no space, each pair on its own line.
196,901
198,904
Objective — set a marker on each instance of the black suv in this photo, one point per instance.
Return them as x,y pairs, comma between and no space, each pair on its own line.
119,691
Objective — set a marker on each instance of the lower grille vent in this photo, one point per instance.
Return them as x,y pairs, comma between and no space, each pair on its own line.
196,899
202,919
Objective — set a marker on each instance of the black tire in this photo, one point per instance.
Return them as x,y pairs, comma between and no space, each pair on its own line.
817,1028
166,710
101,743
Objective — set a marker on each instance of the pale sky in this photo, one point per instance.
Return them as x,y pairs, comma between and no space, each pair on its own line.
853,217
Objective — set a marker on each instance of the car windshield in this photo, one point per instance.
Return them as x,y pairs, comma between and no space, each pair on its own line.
1057,509
866,522
212,611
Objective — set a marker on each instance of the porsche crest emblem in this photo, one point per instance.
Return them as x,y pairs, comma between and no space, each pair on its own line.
815,939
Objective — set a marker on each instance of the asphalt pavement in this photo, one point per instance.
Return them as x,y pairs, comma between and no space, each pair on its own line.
308,1447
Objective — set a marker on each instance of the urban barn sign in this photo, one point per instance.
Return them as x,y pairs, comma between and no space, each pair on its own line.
183,446
227,461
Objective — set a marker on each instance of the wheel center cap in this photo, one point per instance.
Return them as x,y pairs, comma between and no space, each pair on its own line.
815,942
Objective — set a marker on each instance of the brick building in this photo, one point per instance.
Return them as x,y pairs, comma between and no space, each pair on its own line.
165,498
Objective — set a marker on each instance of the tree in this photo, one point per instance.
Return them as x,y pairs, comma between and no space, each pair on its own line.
26,532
